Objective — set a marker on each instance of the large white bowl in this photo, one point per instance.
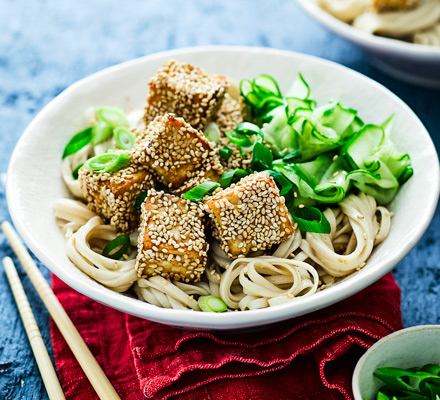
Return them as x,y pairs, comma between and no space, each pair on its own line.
413,63
34,180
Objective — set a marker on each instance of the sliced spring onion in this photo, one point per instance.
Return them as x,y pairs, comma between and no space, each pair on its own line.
282,182
246,128
108,162
231,177
139,200
238,139
117,247
225,152
101,132
311,219
78,141
76,170
200,191
113,116
262,158
212,304
124,138
212,132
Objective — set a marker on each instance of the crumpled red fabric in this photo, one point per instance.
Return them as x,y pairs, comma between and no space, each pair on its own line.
309,357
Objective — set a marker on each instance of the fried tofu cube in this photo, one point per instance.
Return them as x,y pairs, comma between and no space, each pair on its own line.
112,195
176,152
394,5
187,91
249,216
172,240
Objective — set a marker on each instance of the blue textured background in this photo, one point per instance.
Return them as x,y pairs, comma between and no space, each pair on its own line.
47,45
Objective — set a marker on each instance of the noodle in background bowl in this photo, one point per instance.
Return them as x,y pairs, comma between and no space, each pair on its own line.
34,178
409,62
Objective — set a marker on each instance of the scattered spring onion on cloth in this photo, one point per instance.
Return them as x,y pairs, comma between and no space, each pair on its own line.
409,384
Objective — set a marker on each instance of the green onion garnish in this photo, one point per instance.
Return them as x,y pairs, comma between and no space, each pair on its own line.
284,184
246,128
225,152
238,139
413,383
76,170
108,162
114,116
232,177
310,219
200,191
124,138
139,200
117,247
212,304
77,142
101,132
212,132
262,157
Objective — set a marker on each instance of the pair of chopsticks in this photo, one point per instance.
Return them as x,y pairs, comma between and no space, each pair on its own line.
85,358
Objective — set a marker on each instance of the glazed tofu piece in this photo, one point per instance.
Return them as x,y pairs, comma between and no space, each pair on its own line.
394,5
187,91
112,195
249,216
172,240
177,153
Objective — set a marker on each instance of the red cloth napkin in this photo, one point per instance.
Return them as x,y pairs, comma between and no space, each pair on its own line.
310,357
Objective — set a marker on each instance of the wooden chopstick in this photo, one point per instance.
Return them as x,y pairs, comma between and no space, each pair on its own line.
44,363
85,358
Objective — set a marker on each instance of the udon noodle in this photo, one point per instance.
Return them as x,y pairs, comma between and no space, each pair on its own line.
419,24
300,266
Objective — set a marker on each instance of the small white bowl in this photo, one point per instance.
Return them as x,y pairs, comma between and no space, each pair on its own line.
407,348
409,62
34,177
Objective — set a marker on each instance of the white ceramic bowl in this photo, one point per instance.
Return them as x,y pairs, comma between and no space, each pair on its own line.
407,348
413,63
34,180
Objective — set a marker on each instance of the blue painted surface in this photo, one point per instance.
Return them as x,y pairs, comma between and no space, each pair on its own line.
47,45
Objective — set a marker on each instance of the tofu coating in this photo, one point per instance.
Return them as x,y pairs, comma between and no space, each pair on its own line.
172,240
394,5
187,91
176,153
112,195
227,119
249,216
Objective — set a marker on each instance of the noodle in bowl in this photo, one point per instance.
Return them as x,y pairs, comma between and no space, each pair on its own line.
417,63
247,282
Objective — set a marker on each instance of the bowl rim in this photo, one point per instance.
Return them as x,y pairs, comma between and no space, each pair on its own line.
386,339
365,39
231,320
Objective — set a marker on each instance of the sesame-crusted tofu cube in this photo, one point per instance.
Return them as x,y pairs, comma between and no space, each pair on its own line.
227,119
112,195
187,91
249,216
176,152
172,240
393,5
